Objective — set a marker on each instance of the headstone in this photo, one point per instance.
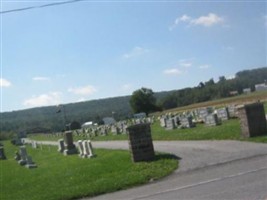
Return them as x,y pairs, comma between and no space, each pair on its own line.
34,144
187,122
23,155
61,146
232,111
203,113
29,163
212,120
80,147
163,122
17,156
252,120
87,149
223,114
70,147
140,142
2,153
170,124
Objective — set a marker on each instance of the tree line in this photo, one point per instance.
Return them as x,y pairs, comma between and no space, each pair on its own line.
48,119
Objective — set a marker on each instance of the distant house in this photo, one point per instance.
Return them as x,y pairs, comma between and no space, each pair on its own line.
261,87
233,93
87,125
246,90
109,120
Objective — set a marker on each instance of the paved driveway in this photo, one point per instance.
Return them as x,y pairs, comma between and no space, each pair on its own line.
198,154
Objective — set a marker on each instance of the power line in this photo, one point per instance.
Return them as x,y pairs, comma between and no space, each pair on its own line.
36,7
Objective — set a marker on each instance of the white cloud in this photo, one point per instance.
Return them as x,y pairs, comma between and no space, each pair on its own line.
86,90
51,98
204,66
207,21
4,83
172,71
40,78
135,52
184,18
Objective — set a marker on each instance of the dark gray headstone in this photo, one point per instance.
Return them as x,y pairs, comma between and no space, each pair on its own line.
140,142
70,147
252,120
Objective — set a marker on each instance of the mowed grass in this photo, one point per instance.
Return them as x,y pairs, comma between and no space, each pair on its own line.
70,177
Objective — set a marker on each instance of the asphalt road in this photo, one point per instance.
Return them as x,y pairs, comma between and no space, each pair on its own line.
208,170
217,170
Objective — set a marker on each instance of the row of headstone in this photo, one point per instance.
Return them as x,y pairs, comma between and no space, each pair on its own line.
24,159
177,121
85,149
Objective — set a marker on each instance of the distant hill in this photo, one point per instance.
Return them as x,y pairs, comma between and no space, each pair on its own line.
47,118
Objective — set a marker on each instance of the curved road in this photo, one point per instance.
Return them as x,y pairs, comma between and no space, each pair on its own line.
208,170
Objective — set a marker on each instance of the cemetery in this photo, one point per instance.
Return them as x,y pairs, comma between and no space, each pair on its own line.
77,169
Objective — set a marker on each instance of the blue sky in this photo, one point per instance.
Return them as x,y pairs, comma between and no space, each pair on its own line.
97,49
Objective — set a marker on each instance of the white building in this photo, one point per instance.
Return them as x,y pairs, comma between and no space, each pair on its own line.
261,87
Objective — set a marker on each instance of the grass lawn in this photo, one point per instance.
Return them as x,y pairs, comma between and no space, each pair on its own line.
70,177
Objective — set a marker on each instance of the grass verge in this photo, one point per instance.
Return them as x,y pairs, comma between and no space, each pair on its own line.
71,177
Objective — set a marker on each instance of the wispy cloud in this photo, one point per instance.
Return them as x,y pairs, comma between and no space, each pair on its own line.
173,71
135,52
207,21
51,98
86,90
185,63
40,78
204,66
126,87
4,83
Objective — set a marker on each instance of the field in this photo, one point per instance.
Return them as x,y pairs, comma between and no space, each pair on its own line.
70,177
240,99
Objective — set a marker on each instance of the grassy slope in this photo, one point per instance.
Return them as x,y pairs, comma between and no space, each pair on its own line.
68,177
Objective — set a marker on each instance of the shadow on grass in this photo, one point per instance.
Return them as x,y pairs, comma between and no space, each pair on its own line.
165,156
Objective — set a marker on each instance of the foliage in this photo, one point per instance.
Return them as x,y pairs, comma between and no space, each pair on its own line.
75,125
69,177
6,135
211,90
143,100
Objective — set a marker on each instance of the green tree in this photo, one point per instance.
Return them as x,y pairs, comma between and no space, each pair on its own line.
143,100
